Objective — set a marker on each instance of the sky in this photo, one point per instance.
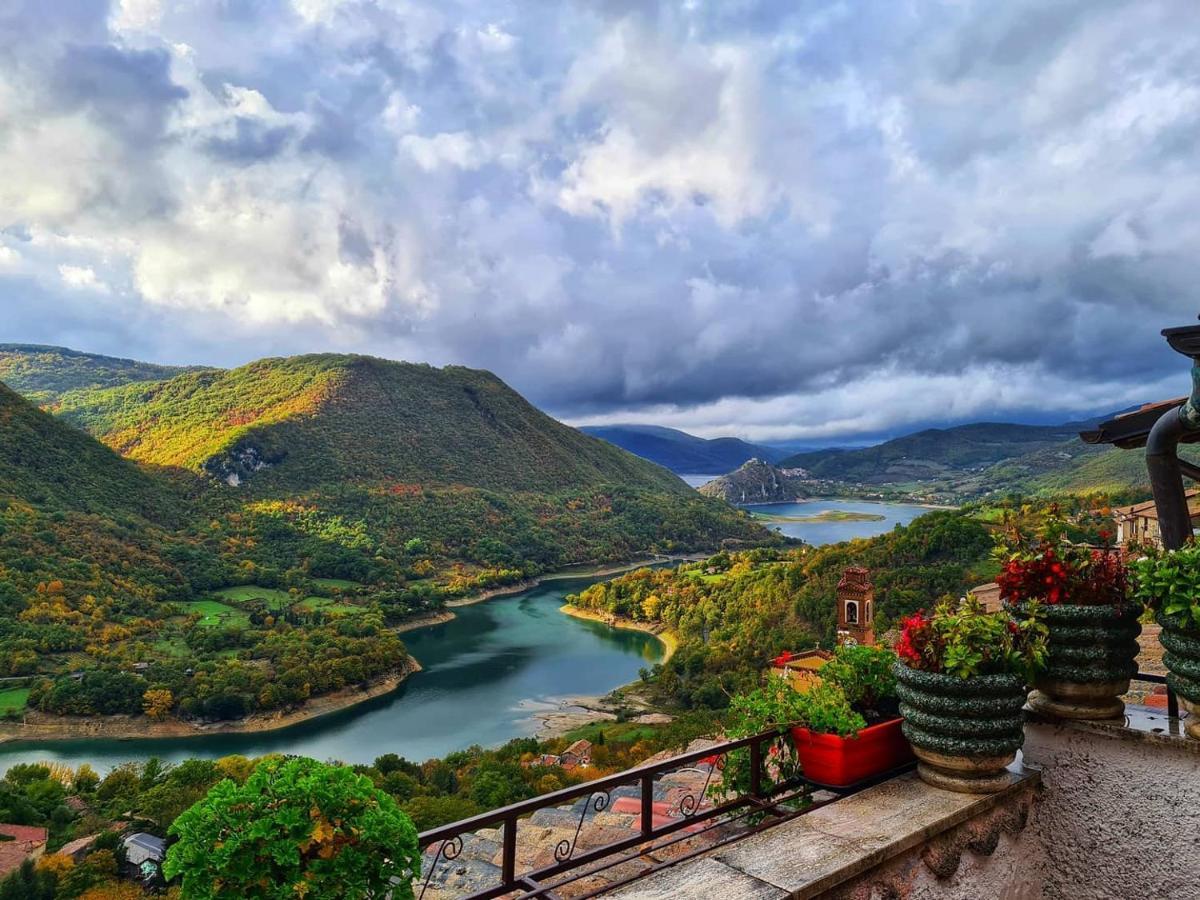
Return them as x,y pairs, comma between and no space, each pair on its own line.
801,219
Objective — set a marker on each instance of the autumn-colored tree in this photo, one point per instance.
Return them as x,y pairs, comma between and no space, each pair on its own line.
114,890
56,863
158,702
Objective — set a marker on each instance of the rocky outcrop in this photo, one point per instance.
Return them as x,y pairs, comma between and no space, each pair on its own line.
756,482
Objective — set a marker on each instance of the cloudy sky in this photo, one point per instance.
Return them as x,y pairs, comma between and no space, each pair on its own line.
790,219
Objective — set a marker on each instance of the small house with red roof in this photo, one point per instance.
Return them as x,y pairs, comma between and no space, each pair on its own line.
19,843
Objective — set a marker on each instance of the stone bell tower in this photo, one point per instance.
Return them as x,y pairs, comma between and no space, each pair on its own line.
855,605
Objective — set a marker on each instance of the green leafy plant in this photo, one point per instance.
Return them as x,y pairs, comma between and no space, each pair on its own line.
963,639
865,676
296,829
1170,580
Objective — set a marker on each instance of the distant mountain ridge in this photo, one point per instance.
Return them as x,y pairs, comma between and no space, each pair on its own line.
299,422
683,453
44,374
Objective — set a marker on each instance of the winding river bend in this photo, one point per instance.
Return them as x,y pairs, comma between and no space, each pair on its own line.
486,674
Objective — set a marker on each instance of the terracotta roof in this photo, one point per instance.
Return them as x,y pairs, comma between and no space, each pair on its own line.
1147,509
25,833
579,748
807,660
989,595
78,845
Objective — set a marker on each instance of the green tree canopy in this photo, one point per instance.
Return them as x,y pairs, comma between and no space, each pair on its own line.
296,829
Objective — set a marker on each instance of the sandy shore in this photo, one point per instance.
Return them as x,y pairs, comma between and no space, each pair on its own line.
433,618
668,638
43,727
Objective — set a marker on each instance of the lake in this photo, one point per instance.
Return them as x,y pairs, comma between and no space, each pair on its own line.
485,674
830,532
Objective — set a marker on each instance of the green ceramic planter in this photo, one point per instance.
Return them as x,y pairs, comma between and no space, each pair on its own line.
1181,642
1091,655
964,731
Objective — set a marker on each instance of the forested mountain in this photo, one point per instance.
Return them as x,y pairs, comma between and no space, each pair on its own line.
933,453
270,524
48,464
757,482
44,374
301,422
681,452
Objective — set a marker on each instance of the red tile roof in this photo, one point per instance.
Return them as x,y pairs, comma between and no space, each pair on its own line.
25,833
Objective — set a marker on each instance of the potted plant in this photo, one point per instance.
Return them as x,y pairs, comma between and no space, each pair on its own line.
1169,583
844,728
849,727
961,680
1084,598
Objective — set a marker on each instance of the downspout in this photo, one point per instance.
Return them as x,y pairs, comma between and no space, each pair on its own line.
1162,446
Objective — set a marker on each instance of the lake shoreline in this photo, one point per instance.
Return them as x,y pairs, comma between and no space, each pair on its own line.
666,637
48,728
844,500
563,575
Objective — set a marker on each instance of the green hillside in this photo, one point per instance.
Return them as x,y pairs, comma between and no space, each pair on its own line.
299,423
44,374
273,523
54,467
1074,467
933,453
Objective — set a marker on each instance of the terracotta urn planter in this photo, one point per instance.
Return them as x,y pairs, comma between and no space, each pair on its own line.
1091,655
1181,642
834,761
964,731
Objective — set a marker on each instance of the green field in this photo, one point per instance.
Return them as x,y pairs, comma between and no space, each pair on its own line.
241,593
713,578
215,613
338,583
329,605
13,700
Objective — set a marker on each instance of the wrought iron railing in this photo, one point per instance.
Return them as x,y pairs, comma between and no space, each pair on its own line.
1172,700
768,802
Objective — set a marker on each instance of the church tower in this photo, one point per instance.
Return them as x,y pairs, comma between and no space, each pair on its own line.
855,603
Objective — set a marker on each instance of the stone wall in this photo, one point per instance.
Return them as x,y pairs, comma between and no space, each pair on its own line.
986,857
1119,812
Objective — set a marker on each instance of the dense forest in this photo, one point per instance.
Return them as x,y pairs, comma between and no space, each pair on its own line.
734,612
276,522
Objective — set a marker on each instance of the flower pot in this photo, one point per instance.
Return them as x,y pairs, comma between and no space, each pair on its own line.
829,759
1181,642
1091,655
964,731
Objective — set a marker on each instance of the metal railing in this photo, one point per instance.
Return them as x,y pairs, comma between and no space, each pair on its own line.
1172,700
763,806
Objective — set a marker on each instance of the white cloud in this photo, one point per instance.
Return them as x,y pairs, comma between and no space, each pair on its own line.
82,278
755,216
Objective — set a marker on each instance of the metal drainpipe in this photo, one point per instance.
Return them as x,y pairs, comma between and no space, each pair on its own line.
1162,459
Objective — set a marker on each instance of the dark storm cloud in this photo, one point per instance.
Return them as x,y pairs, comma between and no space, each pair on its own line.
774,218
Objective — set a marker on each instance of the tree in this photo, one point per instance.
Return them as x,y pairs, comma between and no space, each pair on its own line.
296,828
157,703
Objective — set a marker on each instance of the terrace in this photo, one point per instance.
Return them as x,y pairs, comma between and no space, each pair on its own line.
1090,808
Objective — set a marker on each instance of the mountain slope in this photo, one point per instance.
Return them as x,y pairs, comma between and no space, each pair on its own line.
48,464
933,453
756,482
681,452
44,374
296,423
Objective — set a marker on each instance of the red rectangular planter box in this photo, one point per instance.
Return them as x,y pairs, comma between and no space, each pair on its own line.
841,762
